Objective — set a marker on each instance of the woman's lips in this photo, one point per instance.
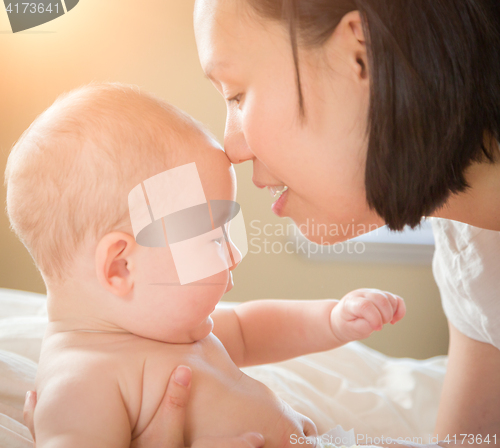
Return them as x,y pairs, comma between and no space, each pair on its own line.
280,204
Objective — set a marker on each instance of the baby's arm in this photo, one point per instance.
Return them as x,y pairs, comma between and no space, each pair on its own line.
85,410
265,331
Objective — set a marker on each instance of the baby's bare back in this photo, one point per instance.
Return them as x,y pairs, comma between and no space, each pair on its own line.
134,372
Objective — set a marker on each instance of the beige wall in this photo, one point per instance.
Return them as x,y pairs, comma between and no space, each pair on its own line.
151,44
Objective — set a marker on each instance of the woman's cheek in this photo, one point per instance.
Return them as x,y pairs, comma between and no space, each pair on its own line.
264,132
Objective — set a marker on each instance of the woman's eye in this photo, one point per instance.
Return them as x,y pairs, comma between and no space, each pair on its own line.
235,99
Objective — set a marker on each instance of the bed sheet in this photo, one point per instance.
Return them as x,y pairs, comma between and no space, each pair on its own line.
353,386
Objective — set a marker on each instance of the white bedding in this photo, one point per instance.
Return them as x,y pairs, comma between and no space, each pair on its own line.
353,386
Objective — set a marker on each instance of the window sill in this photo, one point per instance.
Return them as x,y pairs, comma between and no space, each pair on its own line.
380,246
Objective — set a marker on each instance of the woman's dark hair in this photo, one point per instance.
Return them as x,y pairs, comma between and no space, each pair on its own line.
434,92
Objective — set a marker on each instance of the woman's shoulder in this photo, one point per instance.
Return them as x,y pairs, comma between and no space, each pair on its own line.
459,236
466,268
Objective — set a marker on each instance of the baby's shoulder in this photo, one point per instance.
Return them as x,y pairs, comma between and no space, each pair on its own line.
79,388
75,360
101,368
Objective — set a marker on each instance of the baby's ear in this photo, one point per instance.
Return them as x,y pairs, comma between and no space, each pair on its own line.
112,260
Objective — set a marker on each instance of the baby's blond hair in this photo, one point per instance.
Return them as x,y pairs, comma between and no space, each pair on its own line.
70,173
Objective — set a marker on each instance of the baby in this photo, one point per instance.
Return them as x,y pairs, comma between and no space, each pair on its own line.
120,320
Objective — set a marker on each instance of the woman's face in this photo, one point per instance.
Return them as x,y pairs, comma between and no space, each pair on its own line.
321,159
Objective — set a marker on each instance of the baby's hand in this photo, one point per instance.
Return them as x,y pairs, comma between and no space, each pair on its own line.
363,311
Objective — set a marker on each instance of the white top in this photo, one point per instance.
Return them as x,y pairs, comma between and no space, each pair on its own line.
466,267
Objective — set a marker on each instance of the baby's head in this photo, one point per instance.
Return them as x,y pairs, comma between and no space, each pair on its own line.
68,181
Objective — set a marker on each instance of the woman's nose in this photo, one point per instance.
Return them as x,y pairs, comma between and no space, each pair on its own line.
235,145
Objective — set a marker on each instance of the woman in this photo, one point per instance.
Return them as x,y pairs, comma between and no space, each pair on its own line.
367,112
375,112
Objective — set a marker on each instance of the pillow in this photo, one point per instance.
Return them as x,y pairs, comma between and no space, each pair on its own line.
17,377
21,303
23,319
13,434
